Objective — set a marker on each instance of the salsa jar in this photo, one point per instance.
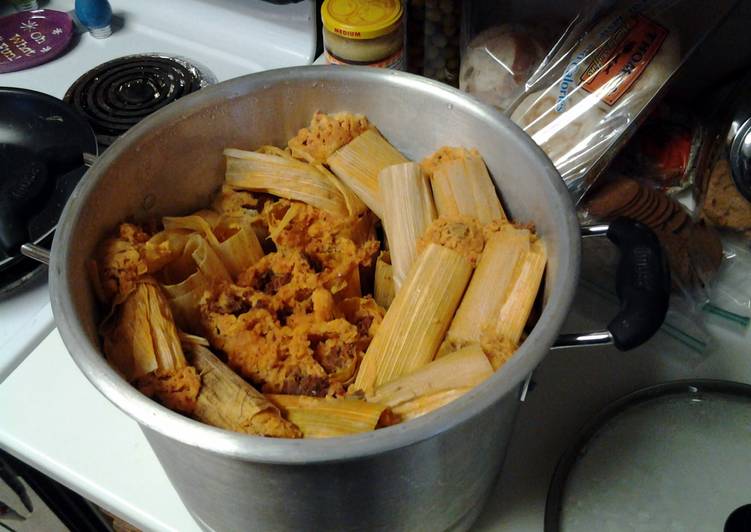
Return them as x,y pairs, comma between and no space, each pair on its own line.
364,32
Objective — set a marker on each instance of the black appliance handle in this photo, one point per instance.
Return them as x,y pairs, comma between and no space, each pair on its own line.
642,284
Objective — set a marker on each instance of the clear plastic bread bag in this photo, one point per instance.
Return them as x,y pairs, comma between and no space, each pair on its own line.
604,75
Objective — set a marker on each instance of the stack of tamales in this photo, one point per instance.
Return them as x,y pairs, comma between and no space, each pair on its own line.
457,279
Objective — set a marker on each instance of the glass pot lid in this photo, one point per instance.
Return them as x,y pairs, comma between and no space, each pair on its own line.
676,456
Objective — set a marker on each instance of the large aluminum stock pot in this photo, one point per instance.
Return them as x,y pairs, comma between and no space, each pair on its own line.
432,473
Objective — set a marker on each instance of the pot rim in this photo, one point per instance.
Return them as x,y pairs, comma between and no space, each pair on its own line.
149,413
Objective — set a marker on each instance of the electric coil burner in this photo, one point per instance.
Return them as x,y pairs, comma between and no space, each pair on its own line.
118,94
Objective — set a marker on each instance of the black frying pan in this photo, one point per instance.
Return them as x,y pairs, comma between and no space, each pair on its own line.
42,147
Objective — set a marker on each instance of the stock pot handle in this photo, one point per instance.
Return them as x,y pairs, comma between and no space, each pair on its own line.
642,284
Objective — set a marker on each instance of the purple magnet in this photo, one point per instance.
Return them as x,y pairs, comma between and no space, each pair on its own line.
30,38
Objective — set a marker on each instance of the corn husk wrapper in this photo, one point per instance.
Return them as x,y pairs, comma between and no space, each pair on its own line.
435,384
141,336
488,288
462,186
417,319
238,252
227,401
163,248
408,210
355,206
322,417
283,177
189,277
500,296
501,337
384,291
358,164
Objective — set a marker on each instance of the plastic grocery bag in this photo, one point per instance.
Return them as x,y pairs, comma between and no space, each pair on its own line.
603,77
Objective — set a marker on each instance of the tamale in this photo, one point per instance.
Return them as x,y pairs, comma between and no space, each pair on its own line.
417,319
435,384
462,186
385,290
187,279
502,336
323,417
232,238
176,389
325,135
408,210
358,164
463,234
125,257
487,289
286,178
141,336
143,344
227,401
427,403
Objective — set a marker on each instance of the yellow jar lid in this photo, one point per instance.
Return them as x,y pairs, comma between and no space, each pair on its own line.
361,19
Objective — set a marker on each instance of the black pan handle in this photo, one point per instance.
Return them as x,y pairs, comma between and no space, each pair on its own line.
642,284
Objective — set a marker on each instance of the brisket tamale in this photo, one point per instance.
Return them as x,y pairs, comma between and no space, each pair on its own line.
358,164
462,186
435,384
323,417
416,321
408,210
227,401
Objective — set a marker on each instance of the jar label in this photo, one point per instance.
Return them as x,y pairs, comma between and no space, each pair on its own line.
394,61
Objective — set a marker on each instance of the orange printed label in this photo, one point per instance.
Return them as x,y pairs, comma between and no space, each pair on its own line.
620,62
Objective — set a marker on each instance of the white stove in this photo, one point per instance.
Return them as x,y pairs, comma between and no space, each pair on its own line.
52,418
224,38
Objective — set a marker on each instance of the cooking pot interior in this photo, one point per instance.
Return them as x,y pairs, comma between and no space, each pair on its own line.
172,163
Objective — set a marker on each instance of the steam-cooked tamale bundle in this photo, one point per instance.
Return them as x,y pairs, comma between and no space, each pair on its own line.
189,276
283,177
325,135
358,164
436,384
501,338
408,210
324,417
142,343
122,259
417,319
233,239
384,290
227,401
462,186
463,234
499,298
